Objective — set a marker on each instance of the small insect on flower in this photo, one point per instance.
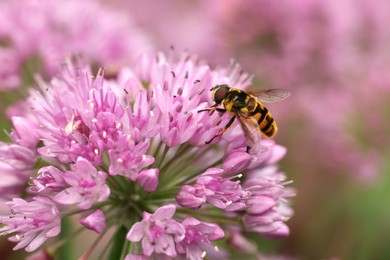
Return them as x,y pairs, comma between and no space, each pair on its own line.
254,117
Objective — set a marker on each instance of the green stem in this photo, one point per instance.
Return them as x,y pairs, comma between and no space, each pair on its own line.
164,154
66,250
157,149
104,251
93,246
66,239
121,185
125,249
119,242
177,156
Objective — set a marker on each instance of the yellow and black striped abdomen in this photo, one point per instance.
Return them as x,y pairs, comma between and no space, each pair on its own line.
267,125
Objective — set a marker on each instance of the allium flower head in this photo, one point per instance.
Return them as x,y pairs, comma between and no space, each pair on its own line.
132,154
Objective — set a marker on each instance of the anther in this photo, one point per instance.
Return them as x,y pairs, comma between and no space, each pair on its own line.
200,91
91,104
179,108
165,86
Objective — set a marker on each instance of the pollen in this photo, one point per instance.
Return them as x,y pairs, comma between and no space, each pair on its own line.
203,255
119,160
69,127
91,104
96,151
118,125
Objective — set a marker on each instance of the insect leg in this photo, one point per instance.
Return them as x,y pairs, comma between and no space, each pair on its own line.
212,109
223,130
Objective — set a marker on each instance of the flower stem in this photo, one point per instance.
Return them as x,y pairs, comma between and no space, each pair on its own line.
66,239
163,156
86,255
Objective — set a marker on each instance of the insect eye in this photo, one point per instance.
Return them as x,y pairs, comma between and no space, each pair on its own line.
220,92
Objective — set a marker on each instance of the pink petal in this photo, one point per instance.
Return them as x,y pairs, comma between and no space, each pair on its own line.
136,232
37,242
95,221
165,212
68,196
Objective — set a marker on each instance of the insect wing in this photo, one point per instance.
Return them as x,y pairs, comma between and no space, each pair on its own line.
271,95
250,129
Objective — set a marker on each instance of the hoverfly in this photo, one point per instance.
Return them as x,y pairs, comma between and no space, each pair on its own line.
254,117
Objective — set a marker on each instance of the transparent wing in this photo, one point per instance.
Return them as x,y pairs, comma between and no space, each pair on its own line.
270,95
250,129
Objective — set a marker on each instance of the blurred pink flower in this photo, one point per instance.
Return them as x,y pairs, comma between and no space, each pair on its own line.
33,222
42,33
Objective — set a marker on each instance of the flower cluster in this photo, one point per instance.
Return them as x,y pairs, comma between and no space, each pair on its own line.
35,36
133,152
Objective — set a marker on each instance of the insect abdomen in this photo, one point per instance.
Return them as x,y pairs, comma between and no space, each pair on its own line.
267,125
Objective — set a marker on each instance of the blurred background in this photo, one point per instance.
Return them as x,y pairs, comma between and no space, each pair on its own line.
333,56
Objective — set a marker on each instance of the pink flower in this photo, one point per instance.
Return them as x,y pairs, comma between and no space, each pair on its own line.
95,221
267,210
148,179
86,185
158,232
198,234
49,179
33,222
236,162
129,158
37,31
191,197
16,167
213,188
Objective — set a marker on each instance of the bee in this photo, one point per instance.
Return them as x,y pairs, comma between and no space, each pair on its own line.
254,117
